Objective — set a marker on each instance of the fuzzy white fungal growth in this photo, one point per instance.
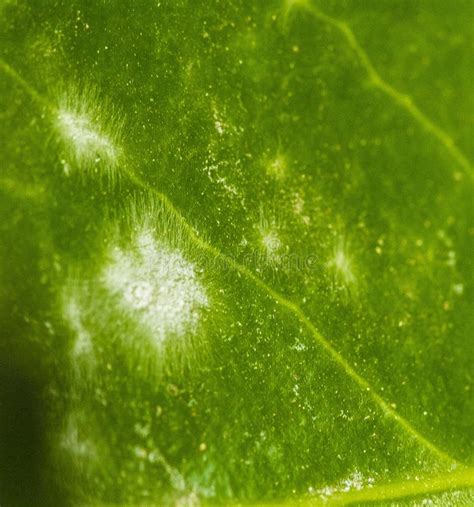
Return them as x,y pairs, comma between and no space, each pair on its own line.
86,141
277,167
73,438
341,265
72,312
269,239
271,242
157,286
145,296
89,130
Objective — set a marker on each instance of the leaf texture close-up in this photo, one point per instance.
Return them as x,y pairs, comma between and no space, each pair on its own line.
236,252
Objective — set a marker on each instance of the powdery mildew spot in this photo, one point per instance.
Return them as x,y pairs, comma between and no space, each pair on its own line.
354,482
342,266
89,130
270,243
141,294
298,208
82,347
86,139
157,286
277,167
74,439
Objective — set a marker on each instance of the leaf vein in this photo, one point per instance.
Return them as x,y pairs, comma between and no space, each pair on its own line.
400,98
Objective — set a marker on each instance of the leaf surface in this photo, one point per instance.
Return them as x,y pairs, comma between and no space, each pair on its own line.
236,251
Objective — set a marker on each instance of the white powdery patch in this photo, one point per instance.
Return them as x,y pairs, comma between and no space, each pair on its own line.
271,242
72,313
354,482
73,442
89,129
277,167
157,286
86,140
342,266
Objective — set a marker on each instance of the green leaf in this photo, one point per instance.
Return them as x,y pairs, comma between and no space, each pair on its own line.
236,257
